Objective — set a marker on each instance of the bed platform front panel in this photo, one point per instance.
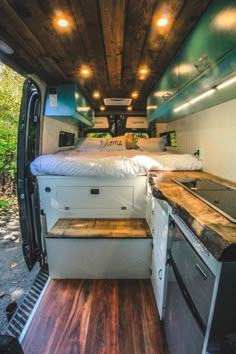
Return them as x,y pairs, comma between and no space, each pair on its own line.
94,197
87,197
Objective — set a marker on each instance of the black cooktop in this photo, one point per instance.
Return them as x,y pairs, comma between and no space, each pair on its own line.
217,195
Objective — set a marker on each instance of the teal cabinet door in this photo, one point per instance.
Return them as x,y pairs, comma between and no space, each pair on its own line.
212,39
65,102
206,58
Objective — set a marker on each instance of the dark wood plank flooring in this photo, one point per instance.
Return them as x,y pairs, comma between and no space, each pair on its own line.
100,228
96,317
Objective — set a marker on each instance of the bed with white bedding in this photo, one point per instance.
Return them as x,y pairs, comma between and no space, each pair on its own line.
125,163
106,182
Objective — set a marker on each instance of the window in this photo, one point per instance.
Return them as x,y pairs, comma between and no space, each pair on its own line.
170,138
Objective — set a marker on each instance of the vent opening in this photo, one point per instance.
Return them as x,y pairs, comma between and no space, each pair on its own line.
117,101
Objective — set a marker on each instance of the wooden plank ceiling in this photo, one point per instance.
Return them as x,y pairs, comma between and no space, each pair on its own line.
114,38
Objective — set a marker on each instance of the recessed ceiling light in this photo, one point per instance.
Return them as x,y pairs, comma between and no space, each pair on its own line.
143,71
62,22
162,22
85,72
134,94
96,94
102,108
4,47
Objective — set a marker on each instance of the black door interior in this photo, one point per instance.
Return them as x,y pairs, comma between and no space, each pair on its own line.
28,150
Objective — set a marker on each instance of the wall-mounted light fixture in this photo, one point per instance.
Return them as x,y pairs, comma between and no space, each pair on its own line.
202,96
226,83
182,106
194,100
210,92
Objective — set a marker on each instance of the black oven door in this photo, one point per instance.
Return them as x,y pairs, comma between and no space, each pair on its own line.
184,333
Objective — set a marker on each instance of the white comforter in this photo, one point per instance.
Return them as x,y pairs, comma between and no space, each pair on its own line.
126,163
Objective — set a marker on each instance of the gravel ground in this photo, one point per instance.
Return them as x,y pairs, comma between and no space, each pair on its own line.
15,278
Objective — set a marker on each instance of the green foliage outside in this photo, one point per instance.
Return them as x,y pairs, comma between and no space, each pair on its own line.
10,97
139,135
99,135
173,141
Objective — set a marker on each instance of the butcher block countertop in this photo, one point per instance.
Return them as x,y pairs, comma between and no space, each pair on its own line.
100,228
216,232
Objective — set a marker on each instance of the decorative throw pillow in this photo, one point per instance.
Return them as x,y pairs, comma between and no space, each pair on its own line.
117,143
130,143
152,144
88,144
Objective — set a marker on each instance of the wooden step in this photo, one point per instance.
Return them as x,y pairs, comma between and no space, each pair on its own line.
100,228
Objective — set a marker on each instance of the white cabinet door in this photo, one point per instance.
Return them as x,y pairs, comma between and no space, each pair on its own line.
160,224
158,277
149,208
160,217
95,197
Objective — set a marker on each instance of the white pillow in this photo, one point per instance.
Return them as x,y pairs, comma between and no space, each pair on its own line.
117,143
152,144
84,144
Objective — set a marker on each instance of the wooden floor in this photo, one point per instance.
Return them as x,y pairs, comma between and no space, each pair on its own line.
100,228
96,317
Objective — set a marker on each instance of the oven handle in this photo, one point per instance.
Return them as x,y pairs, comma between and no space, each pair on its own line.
186,295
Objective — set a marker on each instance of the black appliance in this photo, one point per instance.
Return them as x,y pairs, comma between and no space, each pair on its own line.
189,294
200,297
217,195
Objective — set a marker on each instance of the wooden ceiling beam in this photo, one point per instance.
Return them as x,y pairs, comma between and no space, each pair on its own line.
138,22
113,20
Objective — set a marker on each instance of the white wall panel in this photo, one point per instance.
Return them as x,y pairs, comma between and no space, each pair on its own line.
213,133
51,130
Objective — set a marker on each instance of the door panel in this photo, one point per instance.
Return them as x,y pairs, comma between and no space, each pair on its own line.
28,149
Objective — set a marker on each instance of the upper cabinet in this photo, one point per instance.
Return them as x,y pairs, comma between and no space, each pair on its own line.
207,58
65,102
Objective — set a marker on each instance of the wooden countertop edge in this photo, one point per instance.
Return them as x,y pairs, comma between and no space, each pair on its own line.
217,235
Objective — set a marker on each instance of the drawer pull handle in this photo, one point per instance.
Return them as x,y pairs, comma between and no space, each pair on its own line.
160,274
94,191
202,273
